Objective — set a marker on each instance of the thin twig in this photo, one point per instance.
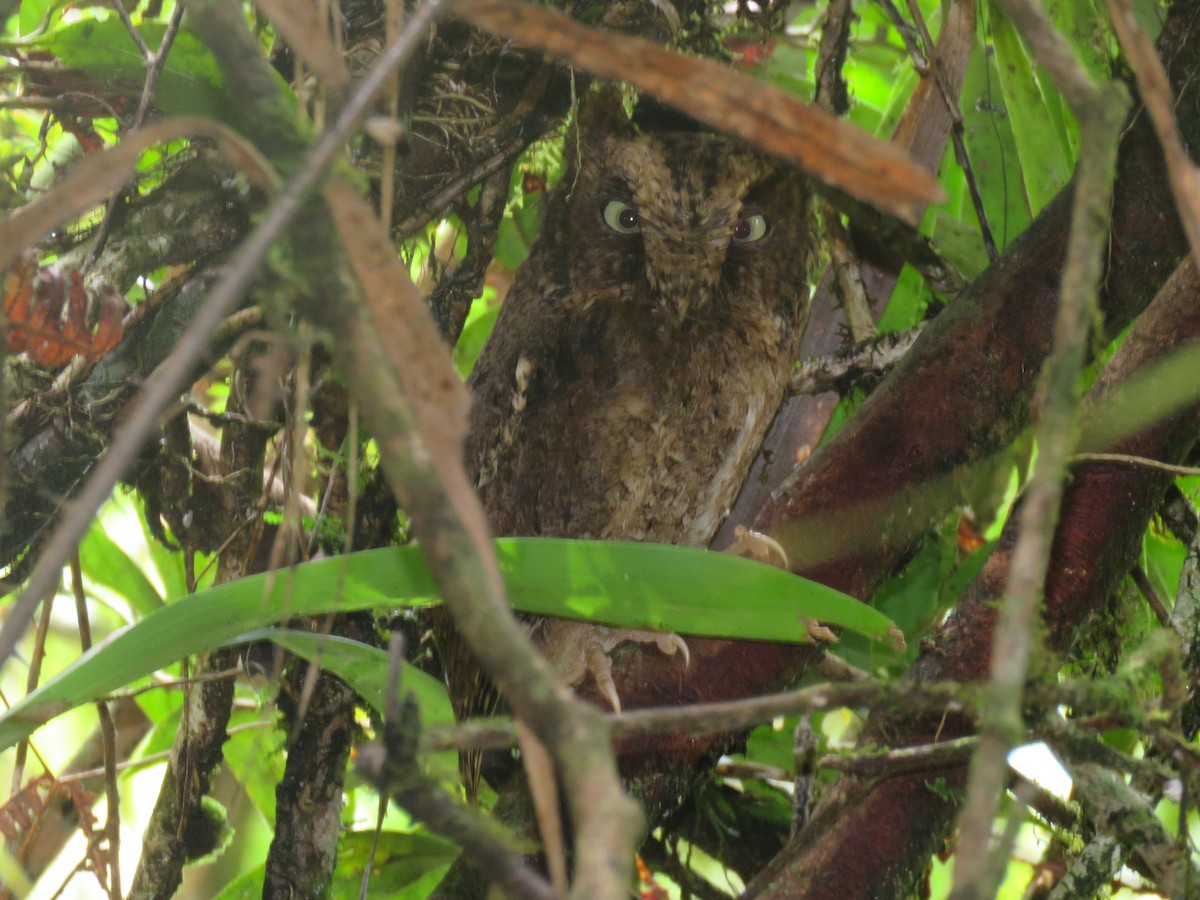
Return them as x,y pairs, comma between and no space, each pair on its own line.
123,15
108,737
31,682
497,733
847,274
907,35
439,202
1150,593
712,718
169,683
832,94
1100,113
151,759
171,376
902,760
393,766
1127,459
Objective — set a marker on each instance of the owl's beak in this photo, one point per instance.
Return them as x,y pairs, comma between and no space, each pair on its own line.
683,276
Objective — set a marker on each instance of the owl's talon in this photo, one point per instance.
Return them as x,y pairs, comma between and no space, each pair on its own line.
759,547
670,643
818,633
600,667
576,650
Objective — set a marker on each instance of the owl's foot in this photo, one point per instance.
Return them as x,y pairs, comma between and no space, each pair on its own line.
765,549
577,650
759,547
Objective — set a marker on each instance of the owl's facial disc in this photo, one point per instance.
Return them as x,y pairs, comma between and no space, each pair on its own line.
684,249
678,211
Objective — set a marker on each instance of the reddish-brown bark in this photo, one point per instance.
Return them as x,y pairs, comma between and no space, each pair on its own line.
1105,510
962,394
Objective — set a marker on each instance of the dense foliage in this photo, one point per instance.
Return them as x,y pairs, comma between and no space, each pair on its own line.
229,414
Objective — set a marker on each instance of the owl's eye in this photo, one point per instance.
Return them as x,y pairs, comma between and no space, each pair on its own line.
749,229
621,217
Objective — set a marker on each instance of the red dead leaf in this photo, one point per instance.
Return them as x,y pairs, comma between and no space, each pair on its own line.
35,323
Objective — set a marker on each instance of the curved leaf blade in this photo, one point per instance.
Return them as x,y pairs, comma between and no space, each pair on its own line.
631,585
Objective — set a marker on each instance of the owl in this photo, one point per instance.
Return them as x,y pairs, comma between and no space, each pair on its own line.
641,353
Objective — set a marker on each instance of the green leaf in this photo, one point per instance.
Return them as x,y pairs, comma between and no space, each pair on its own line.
626,584
366,668
363,667
255,757
988,136
108,565
1044,163
667,588
31,14
959,243
406,866
478,327
191,82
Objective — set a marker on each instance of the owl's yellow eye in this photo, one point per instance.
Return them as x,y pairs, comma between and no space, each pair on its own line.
621,217
749,229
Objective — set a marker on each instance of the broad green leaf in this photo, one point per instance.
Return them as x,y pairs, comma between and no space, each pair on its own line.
366,669
960,244
632,585
31,14
1086,25
908,304
207,619
363,667
190,84
667,588
107,565
987,134
255,757
478,327
1044,164
406,866
520,223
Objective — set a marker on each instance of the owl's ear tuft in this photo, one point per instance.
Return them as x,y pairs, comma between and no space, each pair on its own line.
602,114
652,116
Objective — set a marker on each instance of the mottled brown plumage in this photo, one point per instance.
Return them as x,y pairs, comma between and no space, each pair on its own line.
642,351
631,377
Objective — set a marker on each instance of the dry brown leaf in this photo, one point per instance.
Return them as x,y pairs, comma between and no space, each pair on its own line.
301,27
93,178
35,324
23,811
543,786
821,144
419,355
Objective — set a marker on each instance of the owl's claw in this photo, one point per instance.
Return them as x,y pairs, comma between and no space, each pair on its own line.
759,547
577,650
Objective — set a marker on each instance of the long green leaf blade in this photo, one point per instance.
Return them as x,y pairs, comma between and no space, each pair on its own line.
626,584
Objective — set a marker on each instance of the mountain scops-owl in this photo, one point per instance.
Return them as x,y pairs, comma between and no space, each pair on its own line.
641,353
